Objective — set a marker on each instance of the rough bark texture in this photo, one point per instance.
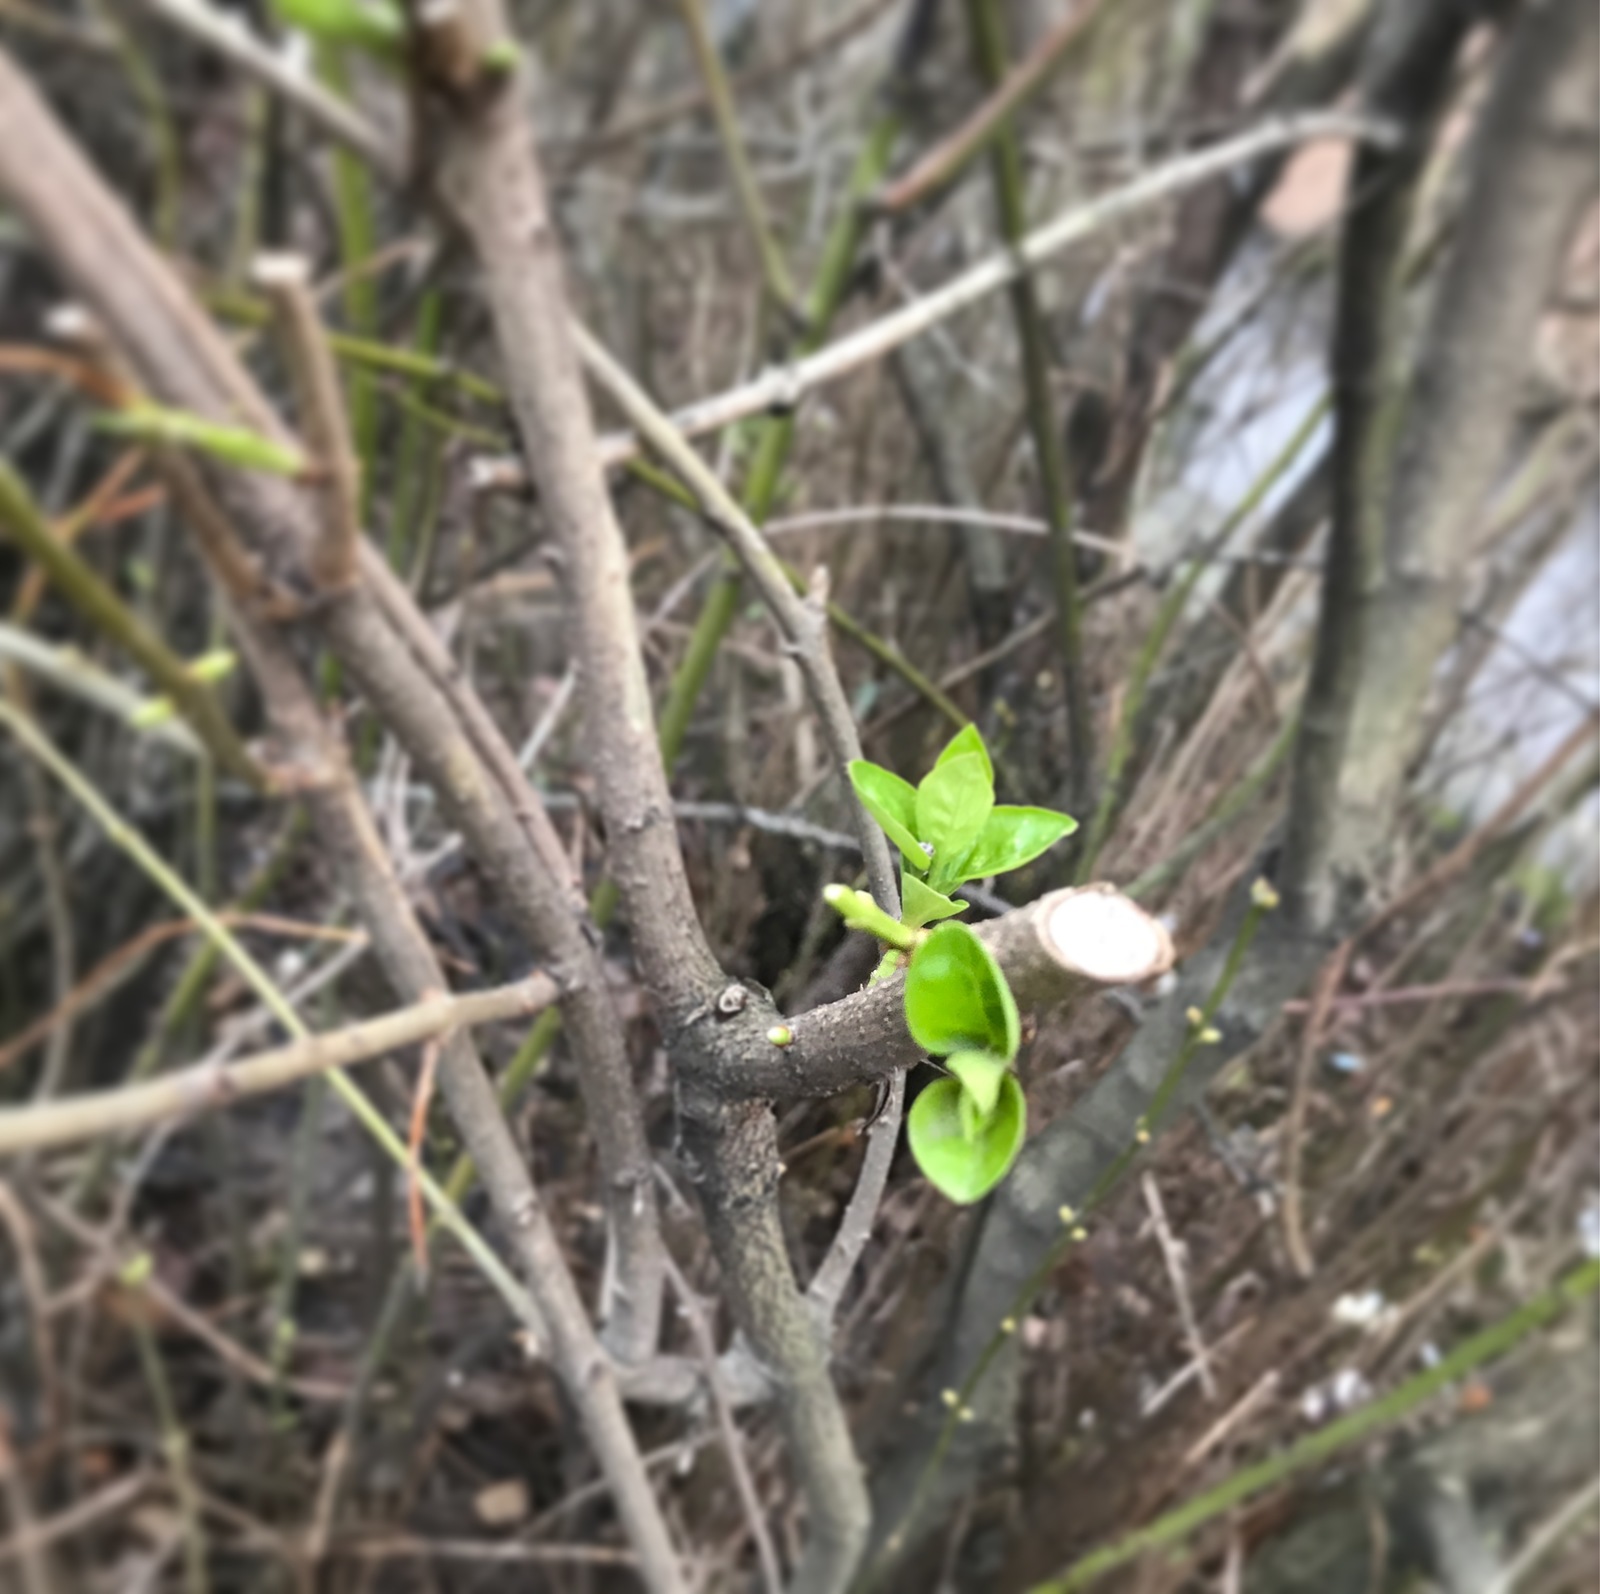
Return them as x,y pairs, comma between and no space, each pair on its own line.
1536,169
1408,77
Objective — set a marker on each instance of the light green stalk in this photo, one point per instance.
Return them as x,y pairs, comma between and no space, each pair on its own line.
257,978
1171,611
1485,1346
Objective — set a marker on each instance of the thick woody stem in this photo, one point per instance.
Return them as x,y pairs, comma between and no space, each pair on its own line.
492,185
492,182
1067,943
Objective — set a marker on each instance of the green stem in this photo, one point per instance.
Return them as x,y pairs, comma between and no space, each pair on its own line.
174,1438
257,978
987,33
746,186
1484,1346
417,449
1167,617
101,606
187,994
775,439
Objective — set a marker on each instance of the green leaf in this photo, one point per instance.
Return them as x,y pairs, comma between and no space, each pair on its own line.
966,740
367,24
953,804
981,1073
235,445
893,803
1014,836
920,904
961,1168
956,997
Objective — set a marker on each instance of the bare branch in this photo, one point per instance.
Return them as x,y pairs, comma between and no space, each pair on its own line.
804,627
1053,950
205,1088
828,1283
229,36
286,281
374,629
781,389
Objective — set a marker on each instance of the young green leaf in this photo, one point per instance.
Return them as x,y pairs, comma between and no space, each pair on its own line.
921,904
953,804
961,1168
1014,836
371,25
957,999
981,1073
966,740
893,803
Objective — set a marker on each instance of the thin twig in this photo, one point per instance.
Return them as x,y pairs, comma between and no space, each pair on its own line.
779,390
175,1439
855,1227
72,671
207,1086
802,625
106,611
27,1542
286,281
986,30
1547,1535
745,186
228,36
992,119
514,1295
1180,1284
732,1439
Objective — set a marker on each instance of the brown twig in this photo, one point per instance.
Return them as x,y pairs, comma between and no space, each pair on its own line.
205,1088
780,389
1180,1285
116,966
285,279
419,1128
732,1440
951,155
803,624
106,611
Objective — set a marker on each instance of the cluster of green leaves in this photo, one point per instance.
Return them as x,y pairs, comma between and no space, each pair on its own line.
966,1128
